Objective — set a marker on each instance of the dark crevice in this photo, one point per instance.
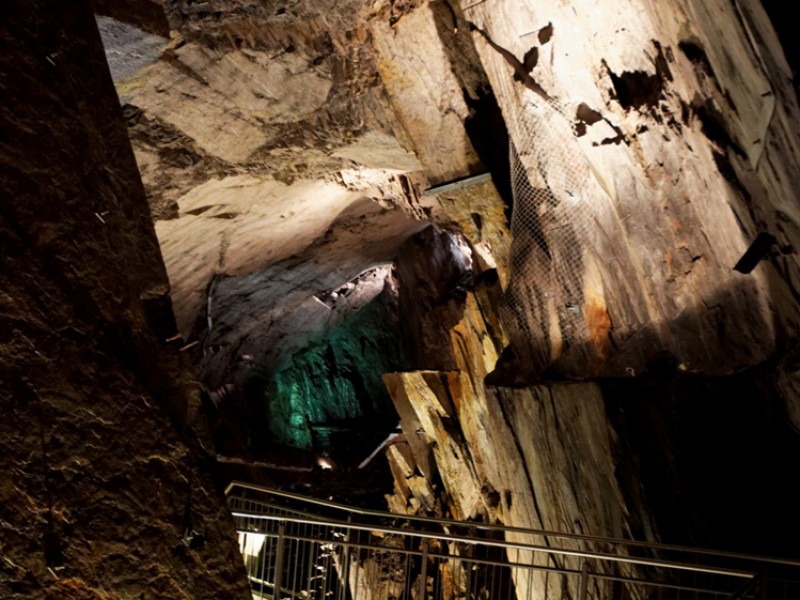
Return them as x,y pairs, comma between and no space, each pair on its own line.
487,131
485,125
696,54
783,13
702,451
638,89
662,64
713,126
635,89
587,115
530,60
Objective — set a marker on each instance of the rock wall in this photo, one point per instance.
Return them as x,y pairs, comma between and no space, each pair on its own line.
686,126
107,490
680,120
539,457
679,117
677,458
683,122
330,396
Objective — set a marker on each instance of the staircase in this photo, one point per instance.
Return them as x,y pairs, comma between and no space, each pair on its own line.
299,548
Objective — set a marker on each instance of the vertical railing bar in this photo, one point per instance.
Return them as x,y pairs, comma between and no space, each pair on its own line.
307,580
341,581
439,579
424,573
583,586
279,560
308,548
298,549
340,560
515,572
473,577
464,574
325,561
256,563
407,582
404,589
344,581
444,577
502,582
465,567
287,567
263,575
316,557
529,588
493,583
354,592
346,564
453,567
324,570
301,562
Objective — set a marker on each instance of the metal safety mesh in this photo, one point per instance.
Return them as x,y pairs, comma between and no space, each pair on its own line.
552,225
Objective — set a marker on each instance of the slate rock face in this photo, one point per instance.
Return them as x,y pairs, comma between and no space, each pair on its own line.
106,489
684,122
676,351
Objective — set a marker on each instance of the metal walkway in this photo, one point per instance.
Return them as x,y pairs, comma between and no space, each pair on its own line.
310,549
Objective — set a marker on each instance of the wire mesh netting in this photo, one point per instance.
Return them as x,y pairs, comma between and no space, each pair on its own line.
552,225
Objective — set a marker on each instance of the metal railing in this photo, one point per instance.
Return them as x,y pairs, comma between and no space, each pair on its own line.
296,547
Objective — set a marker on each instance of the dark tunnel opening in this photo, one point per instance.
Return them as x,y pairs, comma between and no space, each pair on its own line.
321,421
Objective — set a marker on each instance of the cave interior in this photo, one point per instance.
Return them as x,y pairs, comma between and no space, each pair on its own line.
468,260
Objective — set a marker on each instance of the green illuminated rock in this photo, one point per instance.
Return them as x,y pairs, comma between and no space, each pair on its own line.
334,385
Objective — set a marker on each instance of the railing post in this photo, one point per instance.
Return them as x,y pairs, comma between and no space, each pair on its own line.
276,593
583,586
423,581
344,578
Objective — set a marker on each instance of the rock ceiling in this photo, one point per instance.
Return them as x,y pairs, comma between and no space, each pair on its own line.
285,152
285,147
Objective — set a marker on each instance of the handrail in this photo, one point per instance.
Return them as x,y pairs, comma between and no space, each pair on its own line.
515,565
506,544
513,529
747,587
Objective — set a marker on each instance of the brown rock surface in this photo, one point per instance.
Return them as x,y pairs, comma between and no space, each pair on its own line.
106,491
